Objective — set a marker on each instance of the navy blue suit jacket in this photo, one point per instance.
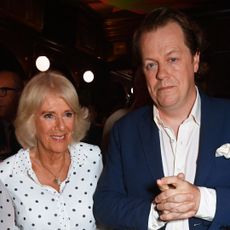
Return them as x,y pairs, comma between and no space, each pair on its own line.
128,182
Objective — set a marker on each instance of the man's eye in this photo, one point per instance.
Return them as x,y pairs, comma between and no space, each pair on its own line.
150,66
173,59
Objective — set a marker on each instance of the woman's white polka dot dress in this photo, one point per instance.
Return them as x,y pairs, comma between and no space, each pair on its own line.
41,207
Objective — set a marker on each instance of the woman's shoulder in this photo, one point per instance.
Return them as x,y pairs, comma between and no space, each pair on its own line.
84,154
84,148
8,162
11,162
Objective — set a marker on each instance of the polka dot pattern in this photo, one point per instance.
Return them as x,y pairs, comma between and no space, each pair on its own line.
42,207
6,209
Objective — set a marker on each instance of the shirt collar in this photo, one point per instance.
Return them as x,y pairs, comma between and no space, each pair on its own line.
195,113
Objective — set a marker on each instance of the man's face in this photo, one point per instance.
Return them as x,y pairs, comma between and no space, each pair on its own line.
8,103
169,67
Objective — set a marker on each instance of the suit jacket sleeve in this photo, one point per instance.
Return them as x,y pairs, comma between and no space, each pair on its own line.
214,172
113,205
128,183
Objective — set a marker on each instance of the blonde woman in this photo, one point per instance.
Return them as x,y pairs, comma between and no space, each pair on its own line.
51,180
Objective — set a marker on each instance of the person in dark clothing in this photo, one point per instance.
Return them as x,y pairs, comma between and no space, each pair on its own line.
168,164
11,84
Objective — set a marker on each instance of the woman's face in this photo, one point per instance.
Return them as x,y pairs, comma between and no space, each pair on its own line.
54,123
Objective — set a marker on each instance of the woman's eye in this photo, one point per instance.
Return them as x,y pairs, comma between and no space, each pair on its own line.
69,114
48,116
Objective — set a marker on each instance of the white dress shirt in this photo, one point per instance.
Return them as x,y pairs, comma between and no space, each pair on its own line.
179,155
41,207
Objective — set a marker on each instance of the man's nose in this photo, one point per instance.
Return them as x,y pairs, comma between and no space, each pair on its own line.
162,72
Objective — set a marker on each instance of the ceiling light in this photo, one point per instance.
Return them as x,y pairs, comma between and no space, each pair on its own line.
88,76
42,63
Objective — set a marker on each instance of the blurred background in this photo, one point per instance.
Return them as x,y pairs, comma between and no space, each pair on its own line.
77,36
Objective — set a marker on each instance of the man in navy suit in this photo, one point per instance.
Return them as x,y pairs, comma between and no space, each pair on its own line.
168,165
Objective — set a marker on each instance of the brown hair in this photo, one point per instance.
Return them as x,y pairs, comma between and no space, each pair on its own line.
160,17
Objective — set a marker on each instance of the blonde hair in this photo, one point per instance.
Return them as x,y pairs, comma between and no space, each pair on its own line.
32,98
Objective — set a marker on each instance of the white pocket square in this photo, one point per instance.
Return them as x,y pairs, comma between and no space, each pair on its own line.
223,150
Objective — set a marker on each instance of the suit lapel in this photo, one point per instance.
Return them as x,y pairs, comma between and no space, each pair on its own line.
209,134
149,137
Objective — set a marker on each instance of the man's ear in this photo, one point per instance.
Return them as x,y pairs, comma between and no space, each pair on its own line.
196,61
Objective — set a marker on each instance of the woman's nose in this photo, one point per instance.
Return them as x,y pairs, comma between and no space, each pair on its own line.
60,123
